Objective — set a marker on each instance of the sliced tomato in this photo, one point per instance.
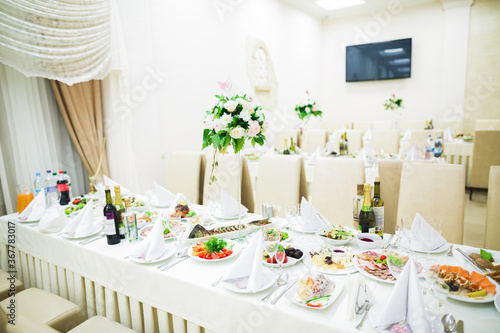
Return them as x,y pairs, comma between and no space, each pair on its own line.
314,305
202,254
382,257
227,252
215,256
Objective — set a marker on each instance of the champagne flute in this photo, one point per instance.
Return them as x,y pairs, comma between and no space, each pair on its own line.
406,224
280,257
271,238
291,212
431,273
441,292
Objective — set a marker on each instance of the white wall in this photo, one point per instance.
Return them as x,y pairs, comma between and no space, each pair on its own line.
198,44
348,101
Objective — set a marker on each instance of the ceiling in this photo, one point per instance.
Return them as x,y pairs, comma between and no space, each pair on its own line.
311,8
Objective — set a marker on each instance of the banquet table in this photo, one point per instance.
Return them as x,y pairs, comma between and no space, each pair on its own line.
98,278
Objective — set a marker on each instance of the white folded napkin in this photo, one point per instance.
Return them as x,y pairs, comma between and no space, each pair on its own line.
164,197
82,225
229,205
406,135
314,156
414,154
333,143
310,216
420,228
405,300
112,184
54,220
367,137
249,264
153,247
35,209
448,135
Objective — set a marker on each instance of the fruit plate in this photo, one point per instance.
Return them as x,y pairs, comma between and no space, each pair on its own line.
291,261
293,297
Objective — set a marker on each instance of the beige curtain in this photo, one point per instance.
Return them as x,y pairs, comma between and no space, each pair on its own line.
81,108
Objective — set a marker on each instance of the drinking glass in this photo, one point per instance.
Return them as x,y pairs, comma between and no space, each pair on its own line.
398,232
291,213
24,197
177,229
431,273
406,224
441,292
271,239
396,264
280,257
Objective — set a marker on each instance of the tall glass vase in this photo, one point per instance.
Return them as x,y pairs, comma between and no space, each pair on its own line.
241,231
398,113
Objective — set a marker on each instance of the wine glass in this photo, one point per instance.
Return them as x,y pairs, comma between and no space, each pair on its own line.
406,224
177,229
280,256
398,232
441,292
271,239
291,213
396,264
431,273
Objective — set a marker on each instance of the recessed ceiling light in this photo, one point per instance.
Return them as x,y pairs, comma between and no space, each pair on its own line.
337,4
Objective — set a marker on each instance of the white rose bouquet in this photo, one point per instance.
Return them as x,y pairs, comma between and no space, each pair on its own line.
233,121
307,108
393,103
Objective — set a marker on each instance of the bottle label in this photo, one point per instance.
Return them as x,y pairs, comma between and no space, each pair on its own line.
51,189
63,187
379,219
109,224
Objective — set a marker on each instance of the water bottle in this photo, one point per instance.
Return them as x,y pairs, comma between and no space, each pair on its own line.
51,185
66,176
429,148
39,183
63,189
438,149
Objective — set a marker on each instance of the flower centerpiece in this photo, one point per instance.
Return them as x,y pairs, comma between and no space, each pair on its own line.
393,103
233,121
307,108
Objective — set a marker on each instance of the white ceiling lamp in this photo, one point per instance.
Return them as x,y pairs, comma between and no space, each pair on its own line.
338,4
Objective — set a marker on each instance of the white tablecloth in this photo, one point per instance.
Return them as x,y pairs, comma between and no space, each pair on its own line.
98,278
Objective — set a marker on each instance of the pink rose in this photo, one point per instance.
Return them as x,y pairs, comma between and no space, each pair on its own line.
253,129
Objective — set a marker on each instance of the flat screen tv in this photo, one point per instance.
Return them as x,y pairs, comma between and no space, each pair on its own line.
378,61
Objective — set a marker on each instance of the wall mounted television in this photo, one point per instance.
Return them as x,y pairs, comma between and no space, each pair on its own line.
378,61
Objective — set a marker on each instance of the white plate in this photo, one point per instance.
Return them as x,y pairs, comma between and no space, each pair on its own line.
476,301
268,279
436,326
496,257
166,237
139,208
24,220
299,229
497,302
169,251
334,241
97,229
308,262
440,249
236,249
291,261
226,235
224,218
339,285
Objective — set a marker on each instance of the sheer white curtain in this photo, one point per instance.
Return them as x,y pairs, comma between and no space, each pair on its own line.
64,40
33,136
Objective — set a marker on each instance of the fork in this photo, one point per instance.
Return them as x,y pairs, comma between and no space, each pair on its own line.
180,254
360,325
450,252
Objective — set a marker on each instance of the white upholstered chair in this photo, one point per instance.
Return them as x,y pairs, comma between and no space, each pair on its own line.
492,232
281,180
415,124
280,136
390,180
334,187
313,139
434,190
355,140
457,126
382,125
419,137
362,125
227,173
388,140
185,174
330,126
5,285
485,154
486,124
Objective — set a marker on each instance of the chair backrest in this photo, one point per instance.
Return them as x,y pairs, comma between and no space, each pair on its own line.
362,125
280,136
419,137
415,124
312,139
334,187
457,126
382,125
186,172
330,126
281,180
434,190
354,139
227,173
485,154
390,179
388,140
491,236
485,124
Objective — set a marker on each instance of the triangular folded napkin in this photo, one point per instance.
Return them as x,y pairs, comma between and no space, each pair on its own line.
249,266
35,209
153,247
82,225
309,215
53,220
314,156
422,230
229,206
164,197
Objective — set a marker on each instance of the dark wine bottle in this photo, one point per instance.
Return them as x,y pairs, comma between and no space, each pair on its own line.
111,222
366,216
120,209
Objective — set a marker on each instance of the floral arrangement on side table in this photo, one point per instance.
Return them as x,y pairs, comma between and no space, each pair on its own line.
233,121
307,108
393,103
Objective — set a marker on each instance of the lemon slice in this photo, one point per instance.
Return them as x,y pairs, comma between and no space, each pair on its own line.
478,293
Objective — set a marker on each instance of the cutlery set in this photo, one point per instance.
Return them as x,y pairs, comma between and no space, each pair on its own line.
181,256
88,241
364,306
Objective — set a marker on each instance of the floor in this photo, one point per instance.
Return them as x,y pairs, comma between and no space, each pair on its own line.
475,218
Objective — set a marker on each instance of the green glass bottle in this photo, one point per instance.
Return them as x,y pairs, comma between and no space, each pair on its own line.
366,216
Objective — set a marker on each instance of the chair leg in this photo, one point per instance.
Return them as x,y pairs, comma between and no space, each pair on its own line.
470,193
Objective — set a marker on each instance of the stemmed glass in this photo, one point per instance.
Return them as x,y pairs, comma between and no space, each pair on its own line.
291,213
431,273
441,292
396,264
406,224
177,229
280,257
271,239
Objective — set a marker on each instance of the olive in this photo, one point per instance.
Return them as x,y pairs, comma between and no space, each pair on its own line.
454,288
450,284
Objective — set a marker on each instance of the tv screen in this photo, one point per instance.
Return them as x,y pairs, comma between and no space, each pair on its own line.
378,61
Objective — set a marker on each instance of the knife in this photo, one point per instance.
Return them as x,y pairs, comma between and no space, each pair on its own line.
173,263
469,259
460,326
284,292
388,243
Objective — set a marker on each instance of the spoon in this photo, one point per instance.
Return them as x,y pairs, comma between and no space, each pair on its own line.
282,280
449,322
